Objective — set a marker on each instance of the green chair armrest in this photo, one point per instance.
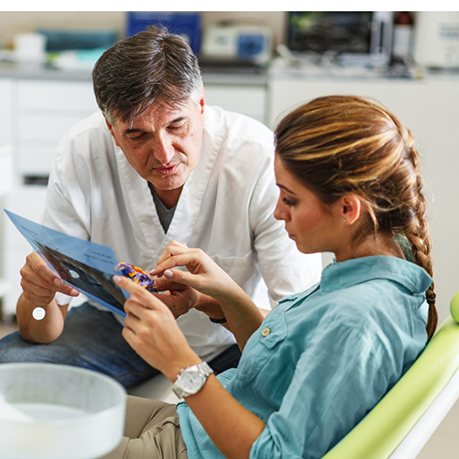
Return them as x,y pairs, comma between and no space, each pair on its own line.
384,427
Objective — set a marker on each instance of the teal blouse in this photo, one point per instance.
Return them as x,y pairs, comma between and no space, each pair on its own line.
323,358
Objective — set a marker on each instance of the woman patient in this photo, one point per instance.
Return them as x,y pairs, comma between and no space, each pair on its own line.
350,184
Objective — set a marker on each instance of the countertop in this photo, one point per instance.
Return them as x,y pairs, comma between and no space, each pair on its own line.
283,70
239,76
30,71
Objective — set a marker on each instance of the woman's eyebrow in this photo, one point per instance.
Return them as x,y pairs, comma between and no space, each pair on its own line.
285,188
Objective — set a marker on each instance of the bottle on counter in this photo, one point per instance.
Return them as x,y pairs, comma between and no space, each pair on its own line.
402,42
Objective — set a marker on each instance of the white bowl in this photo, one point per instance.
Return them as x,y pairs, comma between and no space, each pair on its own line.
50,411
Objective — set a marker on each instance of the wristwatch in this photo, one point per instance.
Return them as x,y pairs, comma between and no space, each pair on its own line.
190,380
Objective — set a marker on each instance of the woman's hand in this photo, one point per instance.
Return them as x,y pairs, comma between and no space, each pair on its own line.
152,331
204,274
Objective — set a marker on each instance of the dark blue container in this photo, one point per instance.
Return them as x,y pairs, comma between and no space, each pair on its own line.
188,25
62,40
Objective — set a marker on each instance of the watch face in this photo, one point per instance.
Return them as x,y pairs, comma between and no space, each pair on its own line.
191,381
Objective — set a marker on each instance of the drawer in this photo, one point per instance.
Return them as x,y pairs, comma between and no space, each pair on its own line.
35,160
248,100
55,95
6,108
46,128
13,262
28,202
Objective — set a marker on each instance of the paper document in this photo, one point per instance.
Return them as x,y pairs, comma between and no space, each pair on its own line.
85,265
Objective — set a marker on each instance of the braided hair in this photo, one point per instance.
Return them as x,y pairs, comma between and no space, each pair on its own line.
337,145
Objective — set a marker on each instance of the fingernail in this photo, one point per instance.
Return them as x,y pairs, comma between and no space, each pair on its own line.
58,281
74,292
168,274
117,279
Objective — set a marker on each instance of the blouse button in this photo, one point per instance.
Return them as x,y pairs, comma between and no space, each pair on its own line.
266,331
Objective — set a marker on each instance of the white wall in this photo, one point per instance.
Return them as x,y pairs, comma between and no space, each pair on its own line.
23,21
430,109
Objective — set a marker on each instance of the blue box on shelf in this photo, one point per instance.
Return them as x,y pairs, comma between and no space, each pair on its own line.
187,25
63,40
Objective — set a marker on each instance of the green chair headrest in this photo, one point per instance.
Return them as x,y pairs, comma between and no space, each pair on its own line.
454,307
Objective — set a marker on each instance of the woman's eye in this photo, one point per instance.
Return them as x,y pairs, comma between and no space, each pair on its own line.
289,202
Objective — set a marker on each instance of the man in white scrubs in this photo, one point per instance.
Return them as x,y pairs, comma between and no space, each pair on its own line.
157,165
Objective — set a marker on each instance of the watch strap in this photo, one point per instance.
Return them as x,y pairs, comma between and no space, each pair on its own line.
203,369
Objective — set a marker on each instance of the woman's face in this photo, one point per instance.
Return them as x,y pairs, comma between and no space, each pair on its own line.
313,225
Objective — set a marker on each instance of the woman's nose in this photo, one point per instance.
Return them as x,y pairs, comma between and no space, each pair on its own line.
279,213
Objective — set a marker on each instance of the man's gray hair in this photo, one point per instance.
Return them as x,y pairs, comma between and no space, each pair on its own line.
152,66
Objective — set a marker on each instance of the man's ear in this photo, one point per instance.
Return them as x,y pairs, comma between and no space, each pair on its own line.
202,100
351,208
112,132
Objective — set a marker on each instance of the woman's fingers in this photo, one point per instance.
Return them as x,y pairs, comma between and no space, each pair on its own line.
140,299
180,277
132,288
174,260
173,248
162,284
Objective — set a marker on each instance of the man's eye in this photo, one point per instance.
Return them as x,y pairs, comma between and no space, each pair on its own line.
175,127
138,136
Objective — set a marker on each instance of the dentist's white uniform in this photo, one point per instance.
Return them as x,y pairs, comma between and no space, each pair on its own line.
225,208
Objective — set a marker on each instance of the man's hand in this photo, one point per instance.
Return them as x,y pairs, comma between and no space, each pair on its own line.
181,298
40,283
178,298
205,276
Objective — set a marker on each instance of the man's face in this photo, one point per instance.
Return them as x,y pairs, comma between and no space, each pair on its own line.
163,146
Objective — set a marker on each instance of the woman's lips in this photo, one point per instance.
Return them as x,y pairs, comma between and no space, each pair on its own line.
167,170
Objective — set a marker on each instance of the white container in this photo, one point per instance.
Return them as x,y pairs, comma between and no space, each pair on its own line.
402,41
437,39
30,47
50,411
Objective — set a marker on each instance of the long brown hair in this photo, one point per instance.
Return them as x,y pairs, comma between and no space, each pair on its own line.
336,145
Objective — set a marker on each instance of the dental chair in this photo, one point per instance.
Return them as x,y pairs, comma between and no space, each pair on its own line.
400,425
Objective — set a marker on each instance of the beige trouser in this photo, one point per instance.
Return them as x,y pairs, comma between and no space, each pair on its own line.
151,431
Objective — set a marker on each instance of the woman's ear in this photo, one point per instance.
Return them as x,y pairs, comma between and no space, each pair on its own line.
351,208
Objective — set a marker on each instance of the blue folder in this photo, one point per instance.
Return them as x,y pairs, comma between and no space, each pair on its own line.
85,265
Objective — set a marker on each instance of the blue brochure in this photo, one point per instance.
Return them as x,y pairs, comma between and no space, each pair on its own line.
86,266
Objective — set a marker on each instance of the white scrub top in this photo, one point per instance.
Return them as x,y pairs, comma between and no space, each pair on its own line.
225,208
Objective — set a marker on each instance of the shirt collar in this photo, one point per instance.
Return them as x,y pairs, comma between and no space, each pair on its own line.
355,271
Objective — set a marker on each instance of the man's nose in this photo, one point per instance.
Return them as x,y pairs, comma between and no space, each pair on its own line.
163,150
